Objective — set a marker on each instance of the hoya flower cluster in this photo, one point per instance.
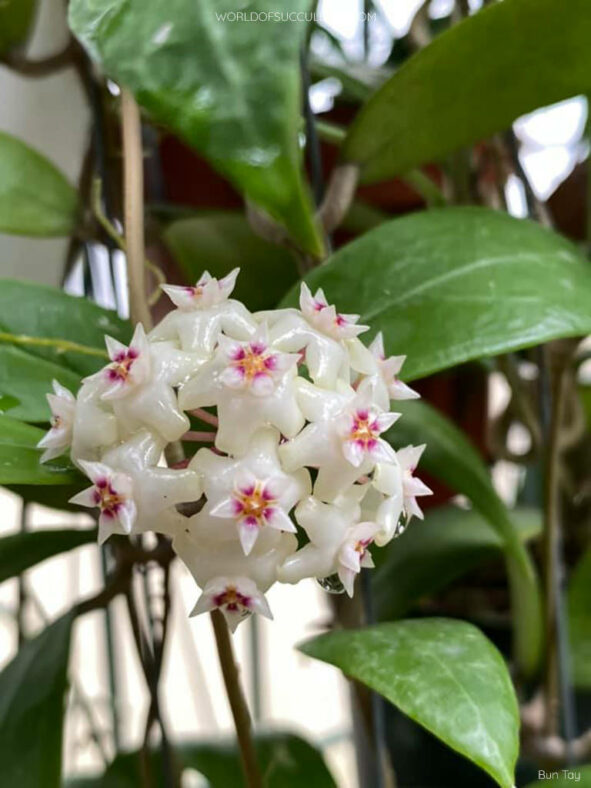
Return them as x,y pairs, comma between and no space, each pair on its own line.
290,409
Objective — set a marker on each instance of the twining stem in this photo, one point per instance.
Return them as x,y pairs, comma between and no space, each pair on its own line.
61,345
203,415
237,700
133,208
199,437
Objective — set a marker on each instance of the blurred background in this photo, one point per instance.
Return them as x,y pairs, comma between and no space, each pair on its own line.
53,113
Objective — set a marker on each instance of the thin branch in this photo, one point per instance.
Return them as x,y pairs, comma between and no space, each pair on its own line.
61,345
115,235
203,415
133,201
199,437
339,196
237,700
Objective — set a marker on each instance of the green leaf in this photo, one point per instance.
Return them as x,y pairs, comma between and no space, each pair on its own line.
437,101
450,285
451,457
560,779
35,198
431,554
579,621
40,311
286,761
19,457
28,378
230,88
16,19
21,551
219,242
442,673
32,690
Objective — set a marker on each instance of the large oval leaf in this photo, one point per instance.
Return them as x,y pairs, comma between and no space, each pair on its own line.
430,555
445,675
230,87
32,690
40,311
28,378
21,551
450,285
35,198
219,242
438,101
19,457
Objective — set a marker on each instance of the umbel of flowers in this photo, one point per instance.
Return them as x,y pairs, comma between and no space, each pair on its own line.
291,408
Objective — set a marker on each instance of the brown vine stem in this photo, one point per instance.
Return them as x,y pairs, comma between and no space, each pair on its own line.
552,534
133,202
236,699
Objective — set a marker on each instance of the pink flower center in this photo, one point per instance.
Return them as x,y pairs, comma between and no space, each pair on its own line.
254,504
232,599
122,363
107,498
254,360
362,545
195,292
365,429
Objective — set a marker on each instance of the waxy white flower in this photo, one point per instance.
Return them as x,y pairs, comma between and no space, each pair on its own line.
325,318
253,493
332,529
129,367
62,404
411,486
354,553
388,369
281,392
207,291
203,313
343,439
252,385
112,493
236,597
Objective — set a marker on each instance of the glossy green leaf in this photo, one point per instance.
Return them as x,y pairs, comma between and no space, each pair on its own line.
451,457
219,242
28,378
450,285
32,696
433,553
21,551
231,88
564,778
35,198
16,20
19,457
438,101
39,311
579,618
287,761
442,673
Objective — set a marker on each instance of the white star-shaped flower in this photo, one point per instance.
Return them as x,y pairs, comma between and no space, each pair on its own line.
343,439
203,313
112,493
252,385
338,540
390,386
252,492
325,318
58,439
236,597
412,488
